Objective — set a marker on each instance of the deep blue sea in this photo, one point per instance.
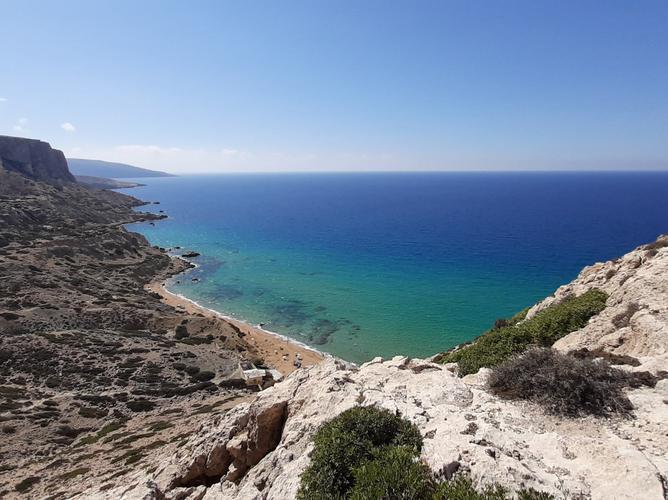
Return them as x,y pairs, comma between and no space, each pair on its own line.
360,265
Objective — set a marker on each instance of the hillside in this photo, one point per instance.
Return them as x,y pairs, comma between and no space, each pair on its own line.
99,168
84,348
104,183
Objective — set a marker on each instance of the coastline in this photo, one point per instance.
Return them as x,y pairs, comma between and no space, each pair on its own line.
277,351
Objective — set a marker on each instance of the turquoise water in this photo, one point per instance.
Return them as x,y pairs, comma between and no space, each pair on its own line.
361,265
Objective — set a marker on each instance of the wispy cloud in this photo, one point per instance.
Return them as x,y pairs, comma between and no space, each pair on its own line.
3,99
68,127
21,125
146,148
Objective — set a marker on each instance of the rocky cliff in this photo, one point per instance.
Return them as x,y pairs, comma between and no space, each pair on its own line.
34,159
259,449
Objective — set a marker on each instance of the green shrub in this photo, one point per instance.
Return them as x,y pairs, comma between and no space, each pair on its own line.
566,385
369,453
344,443
545,328
394,472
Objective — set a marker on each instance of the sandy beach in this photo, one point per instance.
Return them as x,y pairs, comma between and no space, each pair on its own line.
278,352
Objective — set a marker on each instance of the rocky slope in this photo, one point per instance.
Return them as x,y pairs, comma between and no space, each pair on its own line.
86,353
258,449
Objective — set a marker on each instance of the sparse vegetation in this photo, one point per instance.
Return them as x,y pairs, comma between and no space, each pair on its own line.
93,412
27,484
461,488
566,385
203,376
107,429
545,328
160,425
74,473
140,405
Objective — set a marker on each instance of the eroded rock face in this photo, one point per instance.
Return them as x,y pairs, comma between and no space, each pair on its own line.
34,159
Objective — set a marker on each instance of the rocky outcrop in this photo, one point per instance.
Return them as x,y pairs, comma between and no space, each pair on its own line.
635,320
34,159
465,427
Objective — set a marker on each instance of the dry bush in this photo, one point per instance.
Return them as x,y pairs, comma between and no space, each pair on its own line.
566,385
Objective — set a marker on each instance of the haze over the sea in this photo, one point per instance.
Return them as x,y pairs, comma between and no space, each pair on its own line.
361,265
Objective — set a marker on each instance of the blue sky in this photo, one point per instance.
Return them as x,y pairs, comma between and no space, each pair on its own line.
341,85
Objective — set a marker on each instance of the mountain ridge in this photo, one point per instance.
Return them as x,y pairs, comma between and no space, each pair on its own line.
109,169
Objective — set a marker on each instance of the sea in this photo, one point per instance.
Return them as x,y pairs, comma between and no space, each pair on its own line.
360,265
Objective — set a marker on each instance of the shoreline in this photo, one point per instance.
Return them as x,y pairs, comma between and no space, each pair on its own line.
278,351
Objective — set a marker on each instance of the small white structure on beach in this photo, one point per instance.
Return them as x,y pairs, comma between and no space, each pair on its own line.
263,377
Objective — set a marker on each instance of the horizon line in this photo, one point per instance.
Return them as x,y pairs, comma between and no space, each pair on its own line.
459,171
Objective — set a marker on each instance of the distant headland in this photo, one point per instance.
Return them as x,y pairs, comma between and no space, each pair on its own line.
99,168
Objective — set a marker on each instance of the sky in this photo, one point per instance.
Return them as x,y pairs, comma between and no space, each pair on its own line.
218,86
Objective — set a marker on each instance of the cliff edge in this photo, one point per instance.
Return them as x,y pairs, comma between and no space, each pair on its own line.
34,159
